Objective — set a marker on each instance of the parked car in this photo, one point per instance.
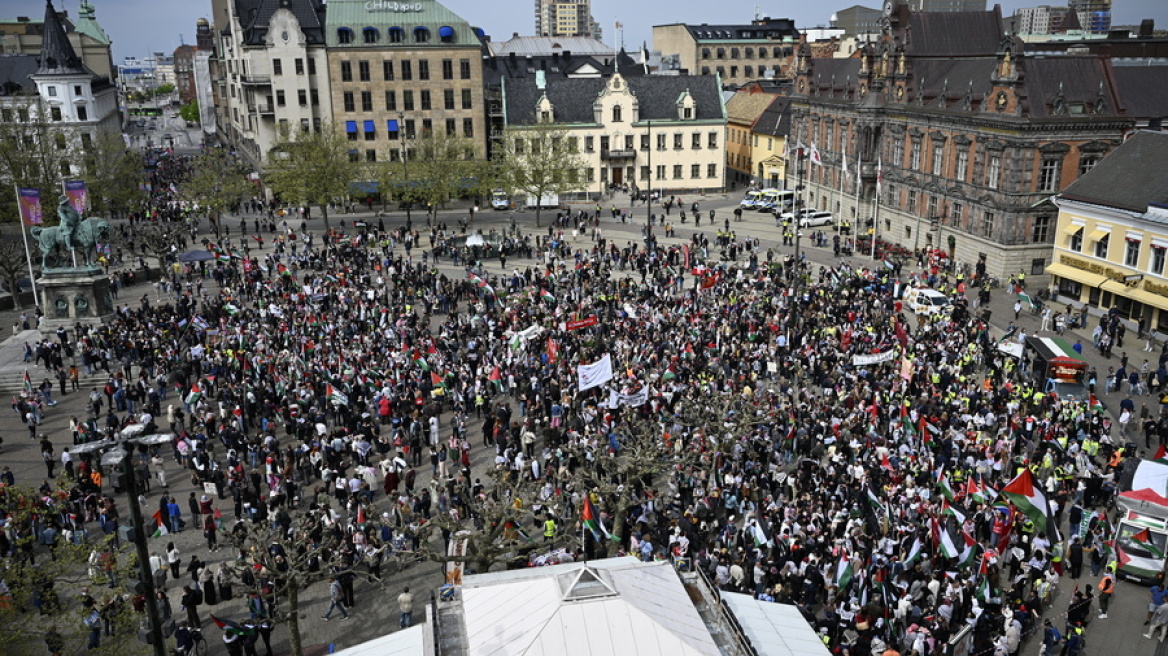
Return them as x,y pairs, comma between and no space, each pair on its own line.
800,214
816,218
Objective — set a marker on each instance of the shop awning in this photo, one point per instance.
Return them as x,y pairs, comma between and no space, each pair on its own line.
1136,294
1072,229
1078,275
1098,235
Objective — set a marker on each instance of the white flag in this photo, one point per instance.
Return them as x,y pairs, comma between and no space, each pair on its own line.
844,164
595,374
814,156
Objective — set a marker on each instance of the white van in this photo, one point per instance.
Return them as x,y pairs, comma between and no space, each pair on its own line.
775,200
750,201
923,300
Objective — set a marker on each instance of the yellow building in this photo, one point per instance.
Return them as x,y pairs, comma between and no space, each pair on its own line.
756,133
1112,238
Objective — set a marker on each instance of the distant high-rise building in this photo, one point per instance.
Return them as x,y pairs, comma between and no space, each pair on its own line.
857,19
948,5
563,18
1094,15
1039,20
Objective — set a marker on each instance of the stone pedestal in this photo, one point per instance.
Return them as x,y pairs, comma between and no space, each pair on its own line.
71,296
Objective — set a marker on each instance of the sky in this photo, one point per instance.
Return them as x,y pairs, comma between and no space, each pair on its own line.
140,27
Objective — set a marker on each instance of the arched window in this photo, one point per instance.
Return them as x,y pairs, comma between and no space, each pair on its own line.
617,114
370,35
395,35
446,34
344,35
421,35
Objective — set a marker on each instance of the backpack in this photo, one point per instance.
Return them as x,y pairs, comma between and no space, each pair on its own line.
196,597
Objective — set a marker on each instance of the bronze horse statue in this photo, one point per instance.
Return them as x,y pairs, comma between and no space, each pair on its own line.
55,242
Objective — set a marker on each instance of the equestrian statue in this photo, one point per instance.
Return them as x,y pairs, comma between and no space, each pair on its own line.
73,237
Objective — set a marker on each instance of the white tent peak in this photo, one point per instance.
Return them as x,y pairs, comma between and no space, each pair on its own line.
585,584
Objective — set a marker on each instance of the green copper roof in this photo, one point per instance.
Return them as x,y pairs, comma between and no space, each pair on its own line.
87,23
385,15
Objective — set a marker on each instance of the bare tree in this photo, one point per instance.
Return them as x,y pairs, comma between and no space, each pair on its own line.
159,240
540,160
13,266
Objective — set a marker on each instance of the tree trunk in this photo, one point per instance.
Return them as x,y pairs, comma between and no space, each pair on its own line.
537,214
324,213
294,620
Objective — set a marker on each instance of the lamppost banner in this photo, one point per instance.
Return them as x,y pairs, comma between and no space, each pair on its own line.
30,206
78,194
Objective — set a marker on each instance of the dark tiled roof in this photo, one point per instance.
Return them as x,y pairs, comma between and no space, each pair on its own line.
773,28
14,72
254,16
954,33
934,73
1143,90
1132,177
57,54
572,98
1077,78
775,120
562,66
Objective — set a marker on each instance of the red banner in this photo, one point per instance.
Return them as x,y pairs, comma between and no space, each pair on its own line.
583,323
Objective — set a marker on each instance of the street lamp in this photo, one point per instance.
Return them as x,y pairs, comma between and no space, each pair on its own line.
649,180
401,130
119,452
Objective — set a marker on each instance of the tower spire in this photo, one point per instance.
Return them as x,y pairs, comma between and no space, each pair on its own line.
57,54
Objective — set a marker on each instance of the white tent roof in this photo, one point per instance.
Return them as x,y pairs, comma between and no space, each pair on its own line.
402,643
774,629
617,605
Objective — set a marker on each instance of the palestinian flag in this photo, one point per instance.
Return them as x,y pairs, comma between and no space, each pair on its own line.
844,572
496,377
335,395
914,552
759,535
160,526
905,420
945,487
970,551
194,395
1029,499
417,359
437,380
947,545
593,522
947,509
1144,539
518,530
1161,453
546,295
1093,403
231,626
874,502
984,591
231,309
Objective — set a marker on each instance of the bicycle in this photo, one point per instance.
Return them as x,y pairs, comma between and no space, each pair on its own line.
198,645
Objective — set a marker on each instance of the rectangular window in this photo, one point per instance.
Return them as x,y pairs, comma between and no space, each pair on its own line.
390,101
604,144
1086,163
898,154
1048,174
464,69
407,70
277,67
994,171
314,97
451,127
988,224
447,69
695,171
387,70
915,157
938,155
1131,254
82,115
962,164
425,99
370,155
1156,265
350,105
712,142
467,99
370,135
628,142
427,126
302,97
423,69
958,214
408,100
363,71
589,144
912,202
448,98
468,128
711,170
346,71
696,142
677,139
366,101
312,67
660,142
1042,226
299,66
1101,247
1075,242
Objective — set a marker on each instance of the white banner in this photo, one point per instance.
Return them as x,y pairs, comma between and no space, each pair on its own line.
457,548
873,358
595,374
635,399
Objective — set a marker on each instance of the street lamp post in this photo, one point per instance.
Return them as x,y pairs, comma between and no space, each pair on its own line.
405,151
649,180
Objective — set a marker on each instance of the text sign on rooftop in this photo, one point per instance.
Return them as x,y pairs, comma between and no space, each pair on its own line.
386,5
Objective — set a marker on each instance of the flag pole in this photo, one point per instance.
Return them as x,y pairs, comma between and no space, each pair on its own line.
36,299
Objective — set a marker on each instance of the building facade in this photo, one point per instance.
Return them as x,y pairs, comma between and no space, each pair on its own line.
184,72
755,138
664,133
1039,20
1111,244
857,19
89,41
1094,15
738,54
970,136
563,18
271,71
403,72
947,5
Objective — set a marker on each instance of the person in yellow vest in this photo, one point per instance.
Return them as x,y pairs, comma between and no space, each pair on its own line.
549,529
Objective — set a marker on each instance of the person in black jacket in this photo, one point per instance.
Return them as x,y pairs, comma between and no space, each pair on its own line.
190,602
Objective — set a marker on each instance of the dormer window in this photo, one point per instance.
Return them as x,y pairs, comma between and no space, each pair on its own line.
344,35
395,35
421,35
370,35
687,112
617,114
446,34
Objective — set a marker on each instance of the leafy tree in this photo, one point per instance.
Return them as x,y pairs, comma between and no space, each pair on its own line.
216,183
164,89
161,241
115,175
438,167
37,593
33,152
311,167
284,561
190,112
13,266
538,160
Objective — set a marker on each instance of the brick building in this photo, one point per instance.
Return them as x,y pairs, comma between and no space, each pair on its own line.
736,53
972,136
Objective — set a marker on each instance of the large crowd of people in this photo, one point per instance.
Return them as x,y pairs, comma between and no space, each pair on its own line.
335,388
